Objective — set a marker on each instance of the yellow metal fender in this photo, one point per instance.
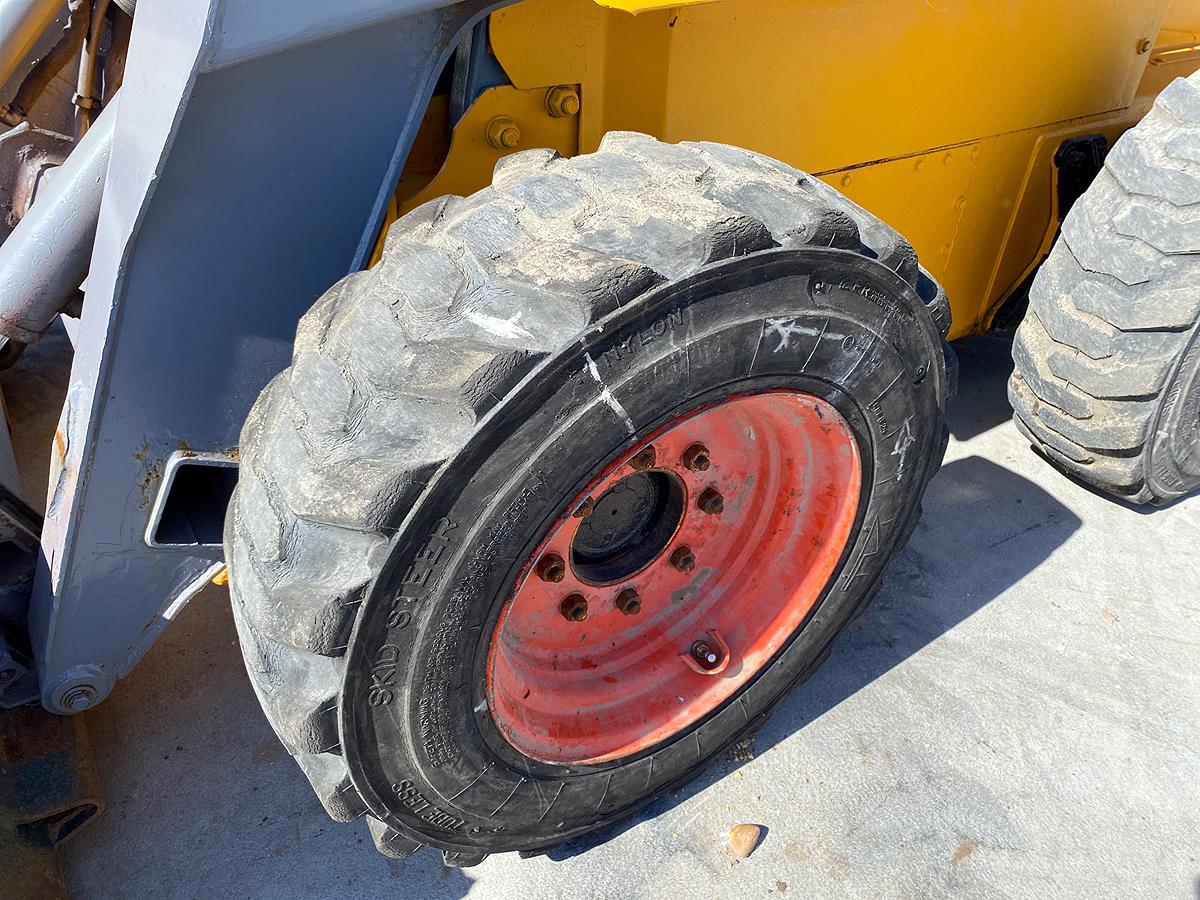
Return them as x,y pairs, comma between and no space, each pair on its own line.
941,118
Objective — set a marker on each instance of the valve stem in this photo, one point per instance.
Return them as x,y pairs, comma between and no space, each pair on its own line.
705,655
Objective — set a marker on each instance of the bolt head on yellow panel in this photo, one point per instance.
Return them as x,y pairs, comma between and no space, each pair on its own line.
562,101
503,133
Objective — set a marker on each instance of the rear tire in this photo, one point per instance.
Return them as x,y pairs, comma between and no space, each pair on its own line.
444,406
1107,380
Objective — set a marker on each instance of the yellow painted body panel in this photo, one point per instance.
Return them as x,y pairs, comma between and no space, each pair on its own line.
940,117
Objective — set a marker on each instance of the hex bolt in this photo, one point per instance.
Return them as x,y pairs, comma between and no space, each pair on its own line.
708,657
696,458
711,502
574,608
503,133
584,509
629,602
79,698
7,675
683,559
562,101
1145,45
551,568
644,459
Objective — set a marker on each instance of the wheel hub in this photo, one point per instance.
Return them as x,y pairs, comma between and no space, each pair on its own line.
628,526
674,578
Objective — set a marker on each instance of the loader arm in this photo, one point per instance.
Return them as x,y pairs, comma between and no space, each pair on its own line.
253,158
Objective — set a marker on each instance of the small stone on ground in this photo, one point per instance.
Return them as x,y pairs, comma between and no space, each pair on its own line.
743,839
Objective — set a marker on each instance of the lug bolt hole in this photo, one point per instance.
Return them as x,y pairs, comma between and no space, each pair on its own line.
683,559
696,458
574,608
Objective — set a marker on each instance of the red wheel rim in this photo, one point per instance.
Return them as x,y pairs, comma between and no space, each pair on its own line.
765,524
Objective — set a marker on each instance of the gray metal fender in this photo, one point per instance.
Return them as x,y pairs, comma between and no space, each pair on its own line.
255,150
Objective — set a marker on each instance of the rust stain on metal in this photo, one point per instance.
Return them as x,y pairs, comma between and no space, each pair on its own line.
145,487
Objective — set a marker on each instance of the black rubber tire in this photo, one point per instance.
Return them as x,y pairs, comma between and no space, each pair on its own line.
395,475
1107,380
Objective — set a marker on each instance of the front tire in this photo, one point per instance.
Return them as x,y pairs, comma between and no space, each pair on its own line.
445,409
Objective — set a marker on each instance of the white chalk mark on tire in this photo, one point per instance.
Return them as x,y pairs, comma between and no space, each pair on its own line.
607,395
786,329
905,440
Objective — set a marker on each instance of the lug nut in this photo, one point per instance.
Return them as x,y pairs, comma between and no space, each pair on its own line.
551,568
562,101
629,602
574,608
683,559
696,458
711,502
503,133
644,459
707,656
584,509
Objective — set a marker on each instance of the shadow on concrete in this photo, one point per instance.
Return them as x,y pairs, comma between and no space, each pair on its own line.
982,403
191,738
984,528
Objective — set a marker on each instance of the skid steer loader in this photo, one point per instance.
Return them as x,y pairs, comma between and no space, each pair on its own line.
557,378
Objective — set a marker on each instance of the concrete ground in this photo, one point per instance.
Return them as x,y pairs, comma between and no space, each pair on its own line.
1015,716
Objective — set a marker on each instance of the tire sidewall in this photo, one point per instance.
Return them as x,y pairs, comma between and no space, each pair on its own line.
1173,465
416,732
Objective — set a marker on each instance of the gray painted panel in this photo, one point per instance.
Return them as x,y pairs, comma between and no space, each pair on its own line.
234,199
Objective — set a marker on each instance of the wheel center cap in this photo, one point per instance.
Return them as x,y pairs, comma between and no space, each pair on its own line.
628,527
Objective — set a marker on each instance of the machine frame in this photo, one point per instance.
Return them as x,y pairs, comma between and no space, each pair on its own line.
254,159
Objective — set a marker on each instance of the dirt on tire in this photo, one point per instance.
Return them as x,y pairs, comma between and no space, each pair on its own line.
392,477
1107,380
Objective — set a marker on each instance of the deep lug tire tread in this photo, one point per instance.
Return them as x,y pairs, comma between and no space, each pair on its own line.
1114,311
470,294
